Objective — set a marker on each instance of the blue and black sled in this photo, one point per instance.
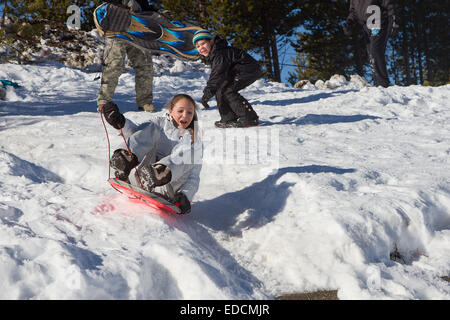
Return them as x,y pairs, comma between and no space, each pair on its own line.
147,30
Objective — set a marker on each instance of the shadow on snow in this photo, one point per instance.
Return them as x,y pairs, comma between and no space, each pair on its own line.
307,99
319,119
261,202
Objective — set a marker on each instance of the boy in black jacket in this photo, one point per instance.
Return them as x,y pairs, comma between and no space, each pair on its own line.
376,39
232,70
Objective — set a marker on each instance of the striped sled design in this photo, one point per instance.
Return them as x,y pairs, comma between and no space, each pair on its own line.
148,30
142,196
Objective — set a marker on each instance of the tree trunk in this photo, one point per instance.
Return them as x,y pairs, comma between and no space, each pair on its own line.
394,66
405,53
419,42
270,36
358,55
429,68
276,64
267,50
268,62
426,30
4,13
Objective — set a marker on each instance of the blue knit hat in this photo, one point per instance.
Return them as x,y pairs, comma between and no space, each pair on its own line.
201,34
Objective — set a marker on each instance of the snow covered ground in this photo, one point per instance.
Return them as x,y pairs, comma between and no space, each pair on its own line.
342,189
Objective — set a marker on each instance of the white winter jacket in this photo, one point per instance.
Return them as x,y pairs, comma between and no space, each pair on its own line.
159,141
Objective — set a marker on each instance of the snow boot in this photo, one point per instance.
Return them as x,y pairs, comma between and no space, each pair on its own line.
153,176
245,123
149,107
123,162
239,123
223,124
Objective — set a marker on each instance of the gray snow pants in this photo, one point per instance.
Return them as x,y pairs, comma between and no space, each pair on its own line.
150,146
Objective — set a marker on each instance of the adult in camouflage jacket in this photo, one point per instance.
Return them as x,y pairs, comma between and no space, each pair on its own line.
115,54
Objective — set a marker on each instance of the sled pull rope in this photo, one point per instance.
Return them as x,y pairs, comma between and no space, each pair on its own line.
109,150
129,151
109,145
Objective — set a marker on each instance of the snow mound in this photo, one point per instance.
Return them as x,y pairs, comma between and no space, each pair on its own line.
335,82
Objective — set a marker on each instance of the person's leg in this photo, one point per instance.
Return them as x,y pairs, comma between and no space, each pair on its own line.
377,54
238,104
166,191
141,62
136,177
114,60
242,81
225,111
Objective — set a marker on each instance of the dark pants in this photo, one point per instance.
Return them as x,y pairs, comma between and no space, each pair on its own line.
376,49
230,103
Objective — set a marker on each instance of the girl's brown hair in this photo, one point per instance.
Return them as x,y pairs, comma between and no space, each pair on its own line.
179,97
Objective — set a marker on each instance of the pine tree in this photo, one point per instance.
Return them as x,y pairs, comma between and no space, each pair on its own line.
263,25
322,48
303,71
189,10
422,44
255,25
417,54
54,10
87,9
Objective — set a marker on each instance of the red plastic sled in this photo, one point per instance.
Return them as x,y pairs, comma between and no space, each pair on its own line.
142,196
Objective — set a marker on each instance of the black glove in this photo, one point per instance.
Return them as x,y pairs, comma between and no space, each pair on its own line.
182,202
205,102
112,115
122,162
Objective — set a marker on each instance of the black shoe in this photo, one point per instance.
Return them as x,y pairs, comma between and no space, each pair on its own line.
243,123
223,124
